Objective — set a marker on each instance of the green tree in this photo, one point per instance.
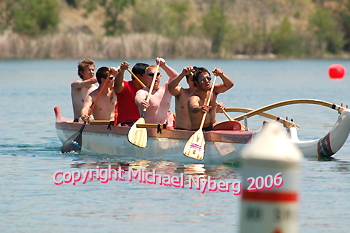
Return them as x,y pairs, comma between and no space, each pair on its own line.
325,28
113,8
33,17
176,17
215,25
282,38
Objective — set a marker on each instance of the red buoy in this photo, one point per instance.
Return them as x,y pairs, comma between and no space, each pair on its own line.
336,71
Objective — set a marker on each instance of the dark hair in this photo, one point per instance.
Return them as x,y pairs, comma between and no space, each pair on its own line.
101,73
198,71
188,76
139,69
84,63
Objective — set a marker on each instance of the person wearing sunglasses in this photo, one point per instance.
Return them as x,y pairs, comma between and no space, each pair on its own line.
197,102
182,95
105,106
128,111
158,107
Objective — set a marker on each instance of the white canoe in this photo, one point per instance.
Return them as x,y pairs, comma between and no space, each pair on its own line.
222,146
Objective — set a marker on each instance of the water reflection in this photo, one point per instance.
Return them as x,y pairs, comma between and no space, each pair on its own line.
164,168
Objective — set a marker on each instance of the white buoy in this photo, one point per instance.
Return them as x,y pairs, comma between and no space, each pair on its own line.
270,182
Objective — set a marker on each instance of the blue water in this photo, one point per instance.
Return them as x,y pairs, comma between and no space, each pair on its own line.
30,154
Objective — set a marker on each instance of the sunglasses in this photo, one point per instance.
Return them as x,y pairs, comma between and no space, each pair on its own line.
152,74
205,79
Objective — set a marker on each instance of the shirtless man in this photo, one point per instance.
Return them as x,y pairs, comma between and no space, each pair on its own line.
81,88
181,98
197,102
159,103
105,106
128,111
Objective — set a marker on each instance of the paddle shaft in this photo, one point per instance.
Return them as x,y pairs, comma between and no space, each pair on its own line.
208,101
141,83
228,117
98,96
150,89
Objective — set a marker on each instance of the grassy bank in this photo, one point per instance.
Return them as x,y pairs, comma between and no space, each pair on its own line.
63,46
175,29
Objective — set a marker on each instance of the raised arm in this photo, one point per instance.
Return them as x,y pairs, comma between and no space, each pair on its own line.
168,70
227,82
173,87
79,84
119,77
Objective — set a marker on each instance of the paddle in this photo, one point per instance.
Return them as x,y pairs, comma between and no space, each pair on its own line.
195,146
143,85
74,142
138,136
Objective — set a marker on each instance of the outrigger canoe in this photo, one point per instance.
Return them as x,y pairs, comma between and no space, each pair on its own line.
222,145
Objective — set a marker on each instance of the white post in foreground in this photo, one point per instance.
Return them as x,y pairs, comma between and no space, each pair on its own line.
270,183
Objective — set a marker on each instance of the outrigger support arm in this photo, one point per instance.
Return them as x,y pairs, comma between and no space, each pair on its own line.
340,109
285,122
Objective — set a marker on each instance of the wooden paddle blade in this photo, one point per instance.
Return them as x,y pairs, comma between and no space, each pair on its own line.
138,136
195,146
73,143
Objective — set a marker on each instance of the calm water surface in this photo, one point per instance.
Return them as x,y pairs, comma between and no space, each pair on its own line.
30,155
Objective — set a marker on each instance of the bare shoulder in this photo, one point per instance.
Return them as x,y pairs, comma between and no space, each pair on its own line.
75,83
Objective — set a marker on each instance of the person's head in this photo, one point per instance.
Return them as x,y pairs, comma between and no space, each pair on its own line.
200,79
139,70
189,79
150,74
86,69
103,73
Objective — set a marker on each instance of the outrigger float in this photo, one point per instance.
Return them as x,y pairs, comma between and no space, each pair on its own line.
222,145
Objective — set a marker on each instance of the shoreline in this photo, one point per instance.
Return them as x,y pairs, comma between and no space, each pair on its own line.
131,46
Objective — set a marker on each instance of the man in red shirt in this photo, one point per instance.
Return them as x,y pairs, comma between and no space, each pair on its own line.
128,112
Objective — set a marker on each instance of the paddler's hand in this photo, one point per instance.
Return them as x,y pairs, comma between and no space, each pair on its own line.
124,66
160,61
205,109
218,72
188,70
145,104
93,80
114,71
220,107
85,118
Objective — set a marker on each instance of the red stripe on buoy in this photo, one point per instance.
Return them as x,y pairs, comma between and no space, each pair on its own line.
269,196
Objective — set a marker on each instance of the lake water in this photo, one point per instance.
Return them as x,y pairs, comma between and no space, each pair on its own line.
30,154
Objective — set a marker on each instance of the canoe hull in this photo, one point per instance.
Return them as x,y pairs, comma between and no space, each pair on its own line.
221,146
158,147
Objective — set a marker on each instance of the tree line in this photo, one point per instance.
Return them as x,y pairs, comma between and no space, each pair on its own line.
286,28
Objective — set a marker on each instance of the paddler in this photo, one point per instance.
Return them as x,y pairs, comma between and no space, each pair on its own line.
181,98
158,107
80,89
197,102
105,106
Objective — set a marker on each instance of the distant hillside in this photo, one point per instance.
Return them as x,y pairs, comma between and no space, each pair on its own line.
175,29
